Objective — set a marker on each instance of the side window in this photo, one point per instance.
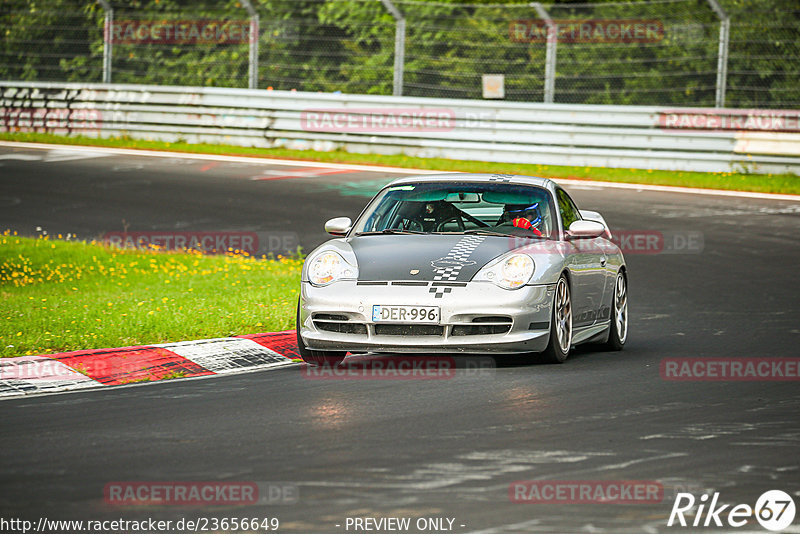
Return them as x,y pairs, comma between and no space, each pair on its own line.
567,209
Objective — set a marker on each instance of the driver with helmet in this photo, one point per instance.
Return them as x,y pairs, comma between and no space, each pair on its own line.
525,217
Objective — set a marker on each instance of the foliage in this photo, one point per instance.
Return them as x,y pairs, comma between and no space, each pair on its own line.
348,46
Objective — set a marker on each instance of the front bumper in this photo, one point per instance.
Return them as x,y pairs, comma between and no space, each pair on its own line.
527,311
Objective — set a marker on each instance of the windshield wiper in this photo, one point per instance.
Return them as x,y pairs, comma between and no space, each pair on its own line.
481,231
391,231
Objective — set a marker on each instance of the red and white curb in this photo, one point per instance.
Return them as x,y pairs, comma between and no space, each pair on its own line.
68,371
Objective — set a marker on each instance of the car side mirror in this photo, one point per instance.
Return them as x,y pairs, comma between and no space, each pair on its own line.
338,226
585,229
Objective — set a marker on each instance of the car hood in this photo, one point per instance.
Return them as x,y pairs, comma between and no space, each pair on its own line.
453,258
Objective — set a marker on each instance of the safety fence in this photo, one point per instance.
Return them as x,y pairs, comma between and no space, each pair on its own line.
720,53
690,139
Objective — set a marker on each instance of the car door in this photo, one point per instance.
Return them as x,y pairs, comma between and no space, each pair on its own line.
585,261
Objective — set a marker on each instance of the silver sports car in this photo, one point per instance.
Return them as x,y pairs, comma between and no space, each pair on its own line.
464,263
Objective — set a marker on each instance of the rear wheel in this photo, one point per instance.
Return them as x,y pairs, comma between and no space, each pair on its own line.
618,332
560,325
316,357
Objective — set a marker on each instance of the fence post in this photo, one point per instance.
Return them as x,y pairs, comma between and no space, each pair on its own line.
550,54
399,46
108,24
252,71
722,55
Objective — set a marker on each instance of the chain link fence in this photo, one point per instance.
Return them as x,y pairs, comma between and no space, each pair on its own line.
658,52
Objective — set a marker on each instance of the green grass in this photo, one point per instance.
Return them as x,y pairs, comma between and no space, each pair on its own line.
764,183
58,295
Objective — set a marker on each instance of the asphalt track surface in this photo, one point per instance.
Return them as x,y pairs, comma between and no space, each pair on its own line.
422,448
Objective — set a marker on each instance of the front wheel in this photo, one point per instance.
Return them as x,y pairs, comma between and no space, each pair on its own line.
560,325
618,332
316,357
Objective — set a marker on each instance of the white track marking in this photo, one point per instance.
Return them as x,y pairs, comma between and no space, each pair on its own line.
625,465
20,157
218,157
395,170
674,189
58,155
55,155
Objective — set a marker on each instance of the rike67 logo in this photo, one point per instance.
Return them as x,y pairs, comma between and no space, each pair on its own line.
774,510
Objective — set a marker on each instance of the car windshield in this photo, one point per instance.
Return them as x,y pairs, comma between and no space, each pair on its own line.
459,207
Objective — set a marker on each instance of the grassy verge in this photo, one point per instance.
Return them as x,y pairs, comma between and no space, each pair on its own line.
58,295
764,183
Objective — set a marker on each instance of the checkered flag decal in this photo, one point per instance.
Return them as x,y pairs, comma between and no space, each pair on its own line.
458,255
504,178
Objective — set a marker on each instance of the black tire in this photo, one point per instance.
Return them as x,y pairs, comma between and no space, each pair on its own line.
558,346
316,357
618,331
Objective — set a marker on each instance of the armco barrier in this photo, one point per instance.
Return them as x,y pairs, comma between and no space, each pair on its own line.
694,139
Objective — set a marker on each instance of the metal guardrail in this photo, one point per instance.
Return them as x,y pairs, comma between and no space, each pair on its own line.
695,139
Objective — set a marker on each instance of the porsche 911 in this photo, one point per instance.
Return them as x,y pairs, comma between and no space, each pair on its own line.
464,263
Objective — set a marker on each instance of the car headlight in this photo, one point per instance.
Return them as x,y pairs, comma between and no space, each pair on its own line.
509,272
328,267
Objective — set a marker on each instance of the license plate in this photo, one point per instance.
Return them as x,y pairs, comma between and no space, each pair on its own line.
405,314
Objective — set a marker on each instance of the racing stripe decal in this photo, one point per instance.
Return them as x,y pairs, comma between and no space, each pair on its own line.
448,268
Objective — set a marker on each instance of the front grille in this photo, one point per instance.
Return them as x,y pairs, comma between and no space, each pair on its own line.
492,319
480,330
330,317
482,326
408,330
331,322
